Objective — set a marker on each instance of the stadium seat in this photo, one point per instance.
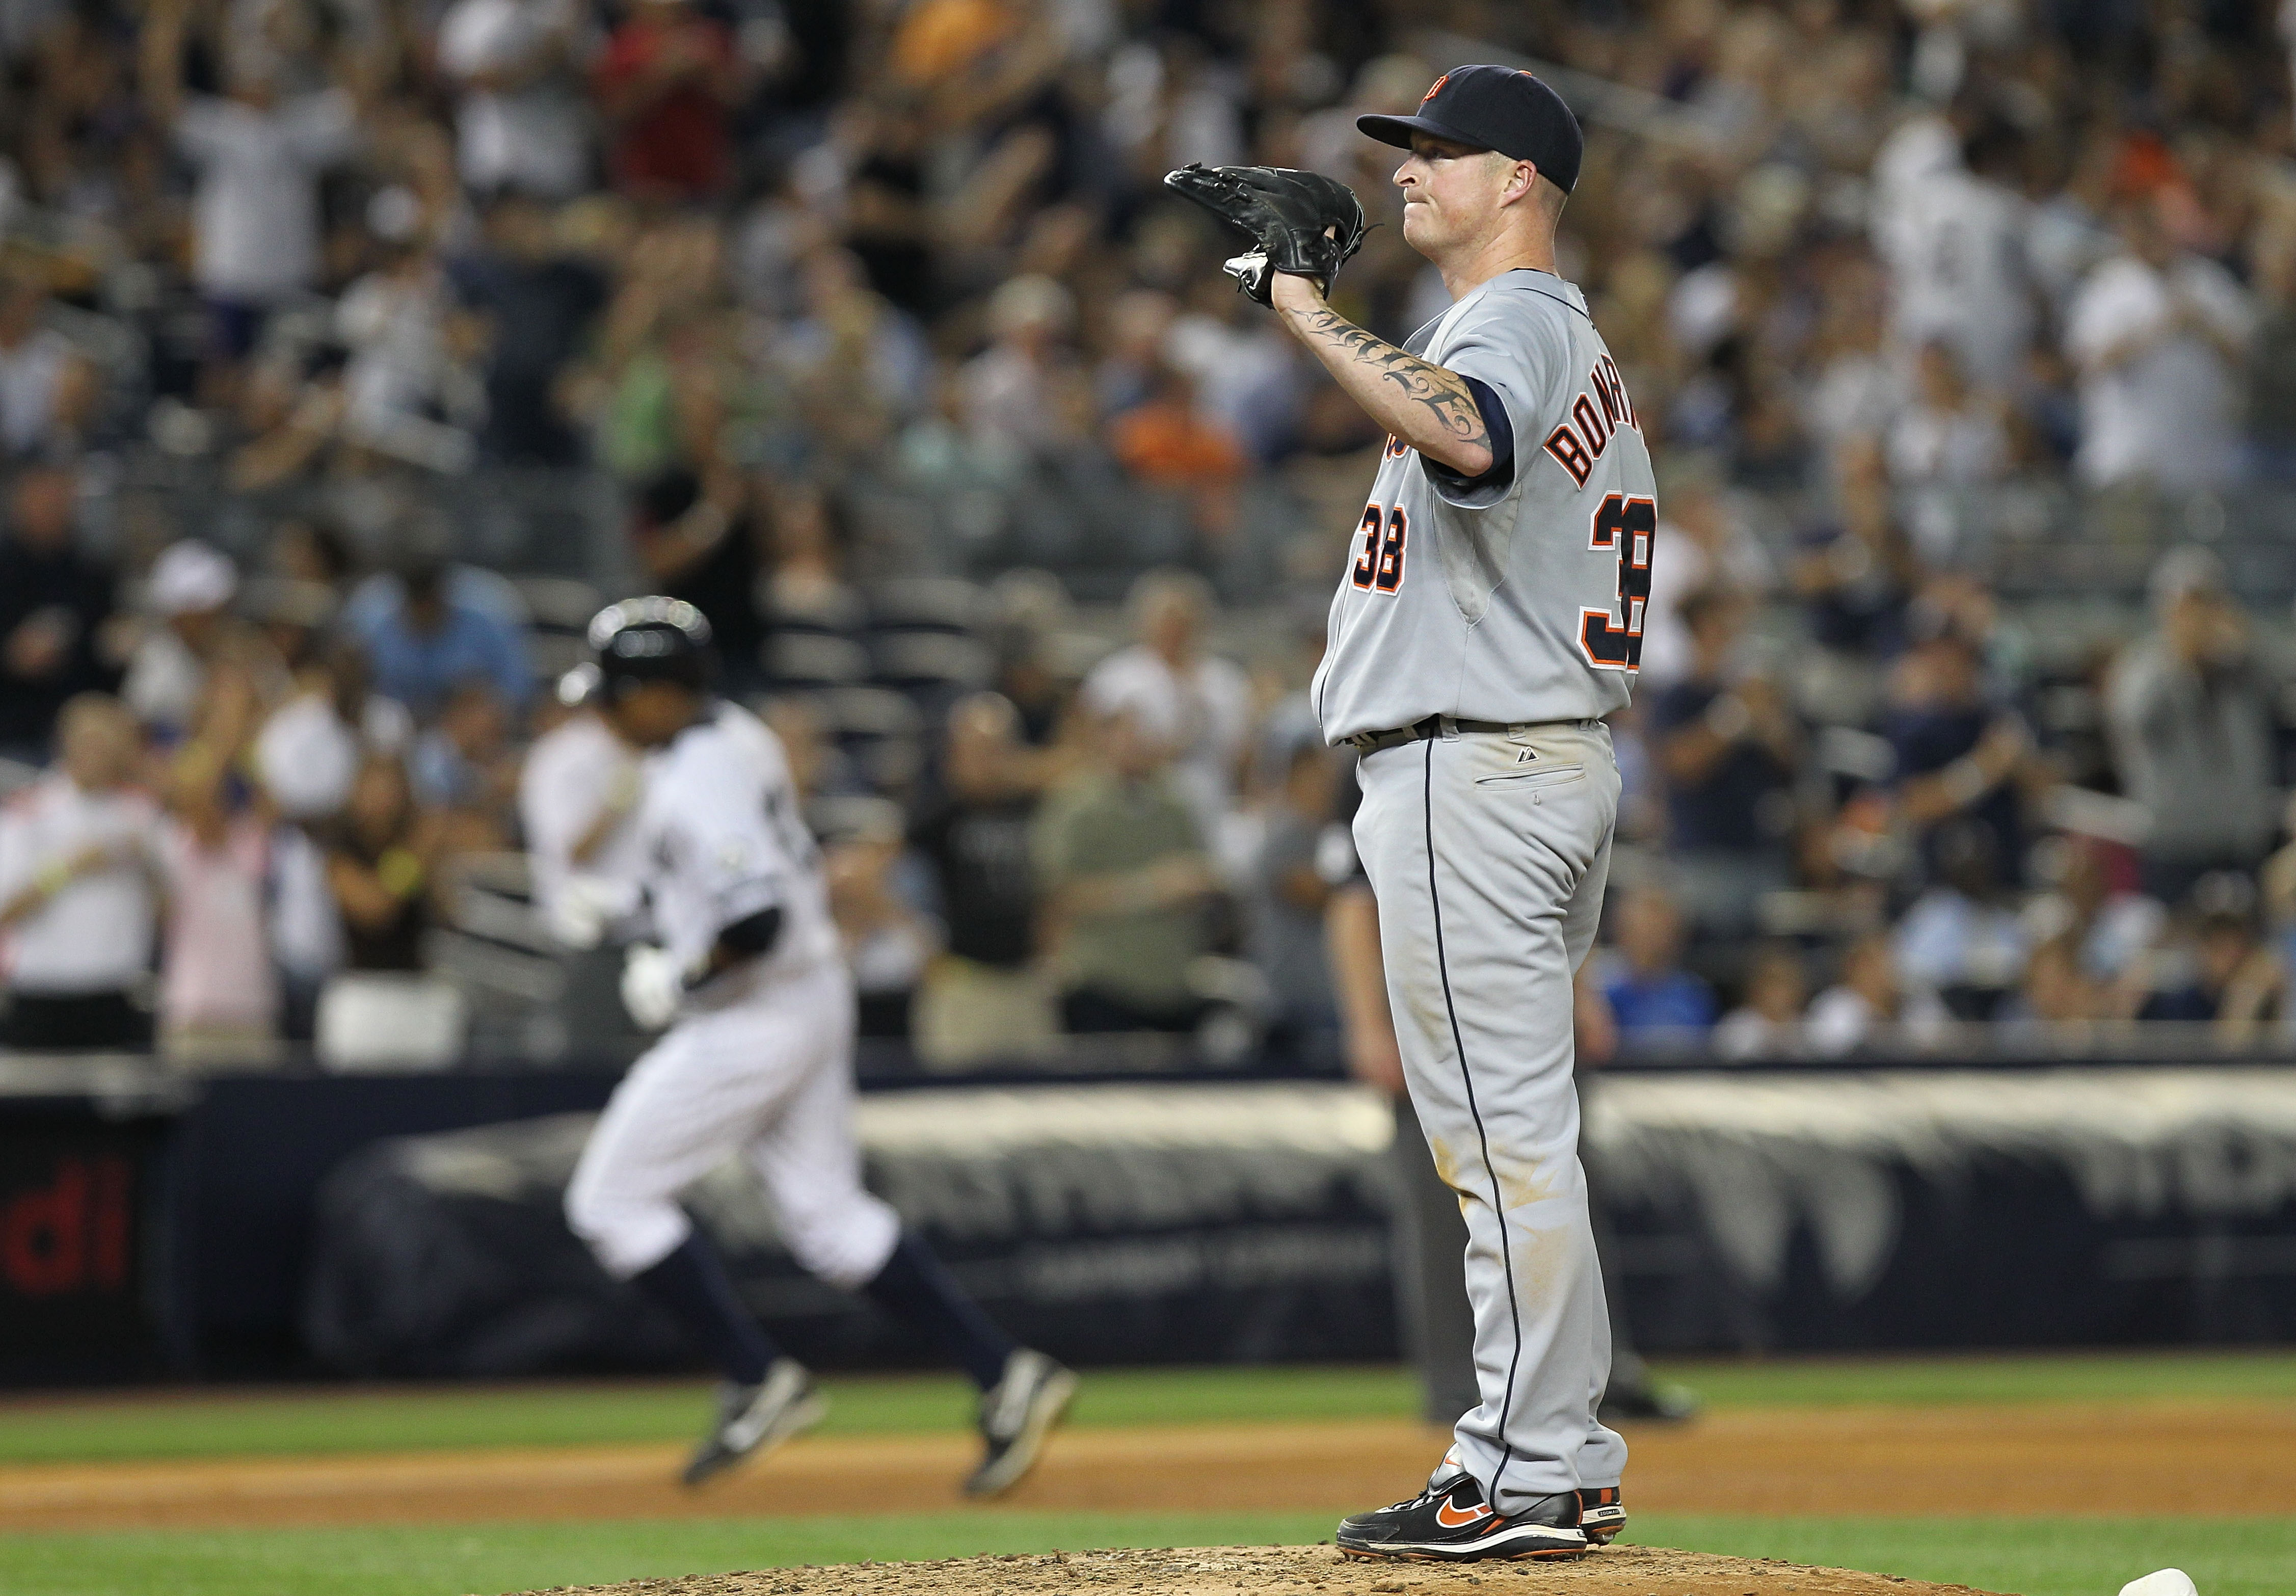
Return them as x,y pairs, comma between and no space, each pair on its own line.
922,660
831,611
559,604
859,712
928,604
382,1022
814,660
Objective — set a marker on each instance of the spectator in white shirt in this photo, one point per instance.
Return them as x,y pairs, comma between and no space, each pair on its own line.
400,377
189,591
1769,1024
1014,391
1195,707
78,899
310,747
1951,435
1963,939
1953,242
576,794
1867,1004
48,391
2158,337
520,124
255,211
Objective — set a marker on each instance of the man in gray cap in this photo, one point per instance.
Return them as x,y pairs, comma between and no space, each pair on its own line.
2190,713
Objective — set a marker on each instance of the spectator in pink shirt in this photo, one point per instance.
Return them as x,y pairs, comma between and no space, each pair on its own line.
217,989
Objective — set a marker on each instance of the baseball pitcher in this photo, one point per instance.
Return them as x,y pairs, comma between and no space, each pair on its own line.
1489,614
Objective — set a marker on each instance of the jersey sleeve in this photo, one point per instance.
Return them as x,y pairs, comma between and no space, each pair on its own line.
724,846
1514,353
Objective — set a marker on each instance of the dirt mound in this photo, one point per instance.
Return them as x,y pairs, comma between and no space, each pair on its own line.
1225,1570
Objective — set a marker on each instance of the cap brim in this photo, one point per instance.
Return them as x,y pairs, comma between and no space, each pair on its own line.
1397,131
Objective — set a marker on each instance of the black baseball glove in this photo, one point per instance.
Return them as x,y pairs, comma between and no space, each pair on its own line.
1302,223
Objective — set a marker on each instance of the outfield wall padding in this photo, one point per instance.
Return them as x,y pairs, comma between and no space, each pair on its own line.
1116,1224
1810,1208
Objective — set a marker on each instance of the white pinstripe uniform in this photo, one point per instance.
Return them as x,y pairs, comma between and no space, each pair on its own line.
759,1062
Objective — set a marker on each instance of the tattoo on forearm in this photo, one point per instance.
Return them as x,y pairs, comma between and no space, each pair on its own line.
1443,393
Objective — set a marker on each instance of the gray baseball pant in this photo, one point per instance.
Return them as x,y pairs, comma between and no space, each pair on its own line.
1487,853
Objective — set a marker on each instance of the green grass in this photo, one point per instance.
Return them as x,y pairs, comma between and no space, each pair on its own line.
451,1561
375,1417
1992,1378
370,1419
2031,1556
2050,1557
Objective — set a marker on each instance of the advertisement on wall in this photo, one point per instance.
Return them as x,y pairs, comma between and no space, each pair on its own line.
75,1250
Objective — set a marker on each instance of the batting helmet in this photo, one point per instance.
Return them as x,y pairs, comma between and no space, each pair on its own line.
650,639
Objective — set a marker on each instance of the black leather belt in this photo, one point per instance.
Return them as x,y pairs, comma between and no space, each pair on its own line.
1371,743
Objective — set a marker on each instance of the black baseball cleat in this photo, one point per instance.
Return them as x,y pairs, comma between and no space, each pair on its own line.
1450,1522
755,1418
1016,1415
1601,1514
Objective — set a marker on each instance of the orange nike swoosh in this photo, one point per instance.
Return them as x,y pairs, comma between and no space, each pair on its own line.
1449,1520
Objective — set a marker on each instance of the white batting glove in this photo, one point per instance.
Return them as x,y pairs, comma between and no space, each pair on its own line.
654,985
584,907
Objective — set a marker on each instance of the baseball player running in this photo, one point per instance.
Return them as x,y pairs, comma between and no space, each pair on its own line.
758,1061
1488,615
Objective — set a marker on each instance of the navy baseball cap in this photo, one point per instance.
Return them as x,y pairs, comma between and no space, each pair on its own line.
1495,108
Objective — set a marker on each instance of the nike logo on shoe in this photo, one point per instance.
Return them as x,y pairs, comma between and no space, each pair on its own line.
1450,1517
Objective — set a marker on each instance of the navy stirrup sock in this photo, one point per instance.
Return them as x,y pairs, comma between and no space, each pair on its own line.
692,1284
918,1286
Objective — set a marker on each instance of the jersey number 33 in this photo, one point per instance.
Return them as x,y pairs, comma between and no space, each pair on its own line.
1624,526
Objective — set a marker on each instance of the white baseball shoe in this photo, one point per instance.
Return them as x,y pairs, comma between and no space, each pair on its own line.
754,1420
1016,1415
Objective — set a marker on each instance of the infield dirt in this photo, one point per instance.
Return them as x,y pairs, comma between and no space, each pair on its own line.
2183,1458
1225,1570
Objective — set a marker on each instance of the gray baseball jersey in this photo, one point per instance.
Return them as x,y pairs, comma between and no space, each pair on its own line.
1518,596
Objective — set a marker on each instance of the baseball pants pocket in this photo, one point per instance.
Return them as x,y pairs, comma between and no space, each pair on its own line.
1532,777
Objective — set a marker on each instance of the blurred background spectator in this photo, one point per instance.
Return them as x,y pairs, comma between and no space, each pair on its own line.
1194,708
55,600
351,358
423,639
984,998
2191,717
80,888
188,597
1645,985
1125,881
380,858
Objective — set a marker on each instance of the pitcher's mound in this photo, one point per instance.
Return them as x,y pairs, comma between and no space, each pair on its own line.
1225,1570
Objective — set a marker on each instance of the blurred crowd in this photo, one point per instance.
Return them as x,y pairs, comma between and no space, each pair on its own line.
755,261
